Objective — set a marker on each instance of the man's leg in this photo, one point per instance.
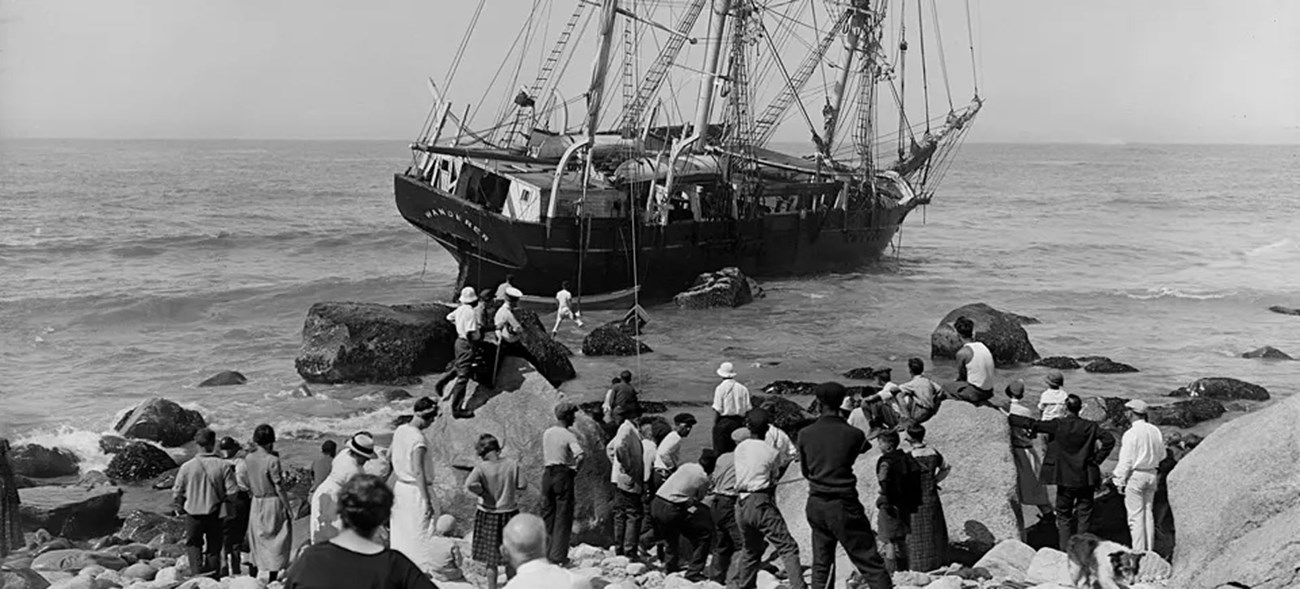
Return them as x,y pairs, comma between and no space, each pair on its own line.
464,363
549,499
635,516
753,544
852,528
563,528
1083,509
1065,523
194,543
1148,511
668,522
212,540
698,529
778,535
821,514
620,520
727,537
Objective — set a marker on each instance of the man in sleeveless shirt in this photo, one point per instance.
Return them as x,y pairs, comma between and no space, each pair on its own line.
974,382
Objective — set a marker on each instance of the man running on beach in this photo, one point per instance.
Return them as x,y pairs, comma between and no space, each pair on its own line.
974,382
563,308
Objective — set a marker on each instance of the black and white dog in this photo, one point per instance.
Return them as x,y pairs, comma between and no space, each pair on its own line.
1102,564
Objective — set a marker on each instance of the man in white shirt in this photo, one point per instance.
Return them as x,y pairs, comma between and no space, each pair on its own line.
1052,402
523,543
975,367
563,308
504,286
1141,450
668,453
466,319
627,472
730,403
677,511
786,453
757,516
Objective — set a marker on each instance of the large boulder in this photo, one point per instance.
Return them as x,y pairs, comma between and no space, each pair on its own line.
71,512
1058,363
786,414
72,560
548,356
517,412
1223,389
612,339
1110,412
21,578
1267,353
1009,560
1107,366
139,461
146,527
368,342
1284,310
1001,332
34,460
224,378
1237,500
162,421
1186,413
725,288
977,495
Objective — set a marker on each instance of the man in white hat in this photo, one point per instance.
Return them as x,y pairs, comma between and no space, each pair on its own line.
508,327
730,403
1141,450
467,335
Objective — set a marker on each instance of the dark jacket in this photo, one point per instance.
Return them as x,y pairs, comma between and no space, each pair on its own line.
1076,450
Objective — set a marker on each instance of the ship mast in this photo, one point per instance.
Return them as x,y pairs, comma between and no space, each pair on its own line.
835,104
718,25
599,70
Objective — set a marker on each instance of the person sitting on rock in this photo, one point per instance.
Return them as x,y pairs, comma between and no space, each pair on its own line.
466,319
677,510
444,551
975,367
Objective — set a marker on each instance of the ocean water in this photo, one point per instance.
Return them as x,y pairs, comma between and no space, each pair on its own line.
131,269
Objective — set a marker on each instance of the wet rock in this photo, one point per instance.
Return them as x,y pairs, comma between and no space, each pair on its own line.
139,461
71,512
1024,319
727,287
161,421
541,350
1237,496
647,407
1091,359
21,578
166,481
391,395
786,414
1001,332
366,342
785,388
1267,353
517,413
1284,310
869,373
112,443
1223,389
1186,413
37,461
1057,362
145,527
611,340
1108,367
223,379
73,560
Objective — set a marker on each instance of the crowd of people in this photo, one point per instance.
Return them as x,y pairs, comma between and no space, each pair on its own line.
376,522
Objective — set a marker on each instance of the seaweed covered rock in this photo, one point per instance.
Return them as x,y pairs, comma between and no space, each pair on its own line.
785,388
1058,363
1001,332
548,356
224,378
1267,353
74,512
146,527
869,373
161,421
368,342
137,462
34,460
1107,366
1223,389
727,287
1284,310
786,414
612,339
1186,413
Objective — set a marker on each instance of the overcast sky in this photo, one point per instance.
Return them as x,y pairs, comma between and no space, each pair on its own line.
1193,71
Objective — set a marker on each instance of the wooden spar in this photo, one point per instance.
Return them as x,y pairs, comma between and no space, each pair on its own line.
846,70
484,154
599,69
705,101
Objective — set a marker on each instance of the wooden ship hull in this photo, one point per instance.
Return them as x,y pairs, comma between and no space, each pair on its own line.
603,255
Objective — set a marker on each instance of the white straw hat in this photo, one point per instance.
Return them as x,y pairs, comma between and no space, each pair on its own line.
468,296
726,370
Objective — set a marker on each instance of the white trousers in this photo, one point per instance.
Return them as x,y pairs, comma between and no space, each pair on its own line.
1139,495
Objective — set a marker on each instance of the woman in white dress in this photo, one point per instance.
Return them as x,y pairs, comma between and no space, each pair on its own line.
325,522
412,524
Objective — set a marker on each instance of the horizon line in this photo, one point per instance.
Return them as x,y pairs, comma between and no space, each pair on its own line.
1295,142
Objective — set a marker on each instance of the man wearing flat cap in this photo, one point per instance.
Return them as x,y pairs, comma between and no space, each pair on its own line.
1140,452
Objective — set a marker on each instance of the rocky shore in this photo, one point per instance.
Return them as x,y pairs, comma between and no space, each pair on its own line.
1231,493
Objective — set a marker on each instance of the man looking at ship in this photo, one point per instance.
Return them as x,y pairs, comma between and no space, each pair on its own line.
504,287
466,319
974,382
730,403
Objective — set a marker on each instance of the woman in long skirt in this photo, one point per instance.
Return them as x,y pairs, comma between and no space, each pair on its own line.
412,526
325,523
270,535
11,533
927,542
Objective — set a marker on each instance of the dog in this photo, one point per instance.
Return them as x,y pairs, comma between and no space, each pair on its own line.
1101,564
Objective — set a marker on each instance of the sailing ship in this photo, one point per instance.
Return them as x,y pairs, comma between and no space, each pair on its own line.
644,191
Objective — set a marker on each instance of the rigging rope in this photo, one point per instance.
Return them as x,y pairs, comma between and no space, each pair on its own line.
464,42
943,61
925,76
970,37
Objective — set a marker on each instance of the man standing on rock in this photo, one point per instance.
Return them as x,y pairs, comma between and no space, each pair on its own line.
508,327
1074,455
623,395
203,485
562,456
757,516
827,450
626,457
466,318
1140,453
730,403
974,382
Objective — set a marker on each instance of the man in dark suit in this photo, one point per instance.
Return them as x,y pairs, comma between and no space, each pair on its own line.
1076,448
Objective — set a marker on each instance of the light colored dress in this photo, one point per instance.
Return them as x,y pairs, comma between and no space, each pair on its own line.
325,522
270,533
411,527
